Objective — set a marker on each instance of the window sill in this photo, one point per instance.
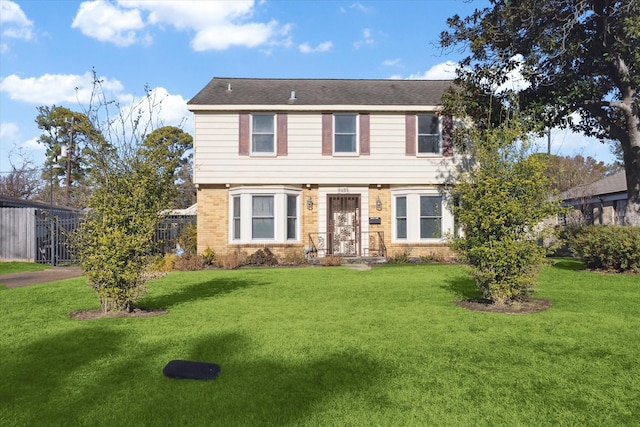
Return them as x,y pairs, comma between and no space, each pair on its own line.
429,155
346,154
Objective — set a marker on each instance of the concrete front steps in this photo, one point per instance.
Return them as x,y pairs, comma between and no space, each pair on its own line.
354,260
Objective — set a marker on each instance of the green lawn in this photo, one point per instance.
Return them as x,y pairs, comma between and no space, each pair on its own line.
18,266
326,346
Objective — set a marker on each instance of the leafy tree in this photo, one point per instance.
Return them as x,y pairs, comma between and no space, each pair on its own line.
501,201
62,127
186,187
565,172
574,56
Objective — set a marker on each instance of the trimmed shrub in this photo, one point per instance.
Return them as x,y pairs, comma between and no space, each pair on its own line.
295,258
262,257
189,262
432,257
231,260
163,263
399,258
208,256
612,248
331,260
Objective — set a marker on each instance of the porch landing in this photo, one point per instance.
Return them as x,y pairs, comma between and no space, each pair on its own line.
354,260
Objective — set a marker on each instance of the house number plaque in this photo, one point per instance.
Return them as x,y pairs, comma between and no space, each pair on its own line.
343,189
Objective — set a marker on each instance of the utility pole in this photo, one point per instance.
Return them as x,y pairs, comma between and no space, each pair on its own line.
69,156
549,140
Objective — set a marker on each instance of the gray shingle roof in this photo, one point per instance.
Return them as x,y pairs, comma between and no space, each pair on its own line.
616,183
320,92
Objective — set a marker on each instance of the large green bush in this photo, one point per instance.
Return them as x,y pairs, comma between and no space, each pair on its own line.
614,248
500,201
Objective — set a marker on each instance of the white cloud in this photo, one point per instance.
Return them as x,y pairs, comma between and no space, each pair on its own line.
443,71
224,36
33,145
160,108
107,23
358,7
367,39
14,21
9,132
515,81
11,136
322,47
55,88
391,62
215,25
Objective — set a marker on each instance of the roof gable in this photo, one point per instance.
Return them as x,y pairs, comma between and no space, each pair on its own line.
238,91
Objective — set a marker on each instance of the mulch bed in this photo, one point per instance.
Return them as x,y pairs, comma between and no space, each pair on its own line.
528,306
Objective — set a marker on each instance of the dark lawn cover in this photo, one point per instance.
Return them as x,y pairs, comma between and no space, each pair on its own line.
186,369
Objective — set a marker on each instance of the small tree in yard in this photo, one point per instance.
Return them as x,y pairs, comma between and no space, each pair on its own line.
116,238
132,181
500,203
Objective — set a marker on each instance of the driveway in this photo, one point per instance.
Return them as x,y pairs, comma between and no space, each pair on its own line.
26,278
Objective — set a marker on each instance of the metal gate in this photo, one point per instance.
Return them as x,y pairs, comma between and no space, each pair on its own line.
343,224
54,236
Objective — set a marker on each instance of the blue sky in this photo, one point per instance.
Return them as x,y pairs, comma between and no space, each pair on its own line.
48,49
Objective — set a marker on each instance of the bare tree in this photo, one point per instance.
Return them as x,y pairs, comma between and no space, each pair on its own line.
23,182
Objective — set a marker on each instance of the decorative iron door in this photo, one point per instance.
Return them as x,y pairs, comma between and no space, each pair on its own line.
343,224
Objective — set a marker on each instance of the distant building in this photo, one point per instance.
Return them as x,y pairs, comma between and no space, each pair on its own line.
602,202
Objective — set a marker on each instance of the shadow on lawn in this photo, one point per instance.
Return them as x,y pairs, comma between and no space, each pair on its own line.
42,384
567,264
462,287
254,390
102,374
197,291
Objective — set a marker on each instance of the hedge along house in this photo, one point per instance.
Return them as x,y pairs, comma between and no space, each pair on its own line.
344,167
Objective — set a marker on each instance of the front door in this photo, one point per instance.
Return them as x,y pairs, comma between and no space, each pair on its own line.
343,224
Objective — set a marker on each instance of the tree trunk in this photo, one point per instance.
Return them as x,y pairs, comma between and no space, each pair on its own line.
631,153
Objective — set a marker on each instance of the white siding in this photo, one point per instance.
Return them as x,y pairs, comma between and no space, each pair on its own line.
217,160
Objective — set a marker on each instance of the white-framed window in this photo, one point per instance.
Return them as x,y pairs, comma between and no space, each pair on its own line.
345,135
236,230
430,217
262,217
429,139
264,214
292,216
401,217
419,215
263,130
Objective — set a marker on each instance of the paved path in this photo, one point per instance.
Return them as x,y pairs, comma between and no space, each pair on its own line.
26,278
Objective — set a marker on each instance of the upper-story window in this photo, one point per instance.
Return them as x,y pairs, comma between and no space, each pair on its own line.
263,133
428,134
345,134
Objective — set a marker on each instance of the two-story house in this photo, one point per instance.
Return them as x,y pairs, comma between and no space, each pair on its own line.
346,167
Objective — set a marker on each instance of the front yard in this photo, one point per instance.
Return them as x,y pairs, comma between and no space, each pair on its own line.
326,346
